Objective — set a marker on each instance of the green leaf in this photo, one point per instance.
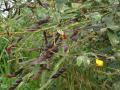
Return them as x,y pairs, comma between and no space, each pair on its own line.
60,4
116,86
113,1
109,20
96,16
86,5
114,39
4,86
98,1
83,60
76,5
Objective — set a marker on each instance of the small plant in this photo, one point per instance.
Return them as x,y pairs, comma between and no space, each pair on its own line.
59,44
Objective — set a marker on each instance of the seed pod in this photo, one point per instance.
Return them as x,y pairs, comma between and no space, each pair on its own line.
48,46
45,5
38,24
74,36
42,21
19,71
10,75
49,55
55,49
65,48
58,73
40,71
17,82
9,48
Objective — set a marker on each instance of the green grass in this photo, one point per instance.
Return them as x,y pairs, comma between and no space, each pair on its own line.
91,41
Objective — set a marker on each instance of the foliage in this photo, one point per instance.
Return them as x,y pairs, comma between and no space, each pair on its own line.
54,44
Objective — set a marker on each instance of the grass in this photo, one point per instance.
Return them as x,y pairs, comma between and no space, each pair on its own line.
70,66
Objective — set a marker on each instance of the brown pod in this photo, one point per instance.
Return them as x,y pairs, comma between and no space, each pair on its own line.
74,36
66,48
58,73
17,82
9,48
42,21
10,75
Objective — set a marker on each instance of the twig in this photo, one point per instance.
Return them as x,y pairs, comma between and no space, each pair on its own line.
17,82
45,36
24,32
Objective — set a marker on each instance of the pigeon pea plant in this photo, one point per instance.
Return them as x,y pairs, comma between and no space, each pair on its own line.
59,44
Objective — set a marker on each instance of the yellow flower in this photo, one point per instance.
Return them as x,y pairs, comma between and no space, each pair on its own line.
99,62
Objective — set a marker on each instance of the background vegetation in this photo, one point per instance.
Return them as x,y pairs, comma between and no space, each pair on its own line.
59,44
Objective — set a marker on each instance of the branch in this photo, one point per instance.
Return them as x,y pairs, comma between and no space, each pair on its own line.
45,36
